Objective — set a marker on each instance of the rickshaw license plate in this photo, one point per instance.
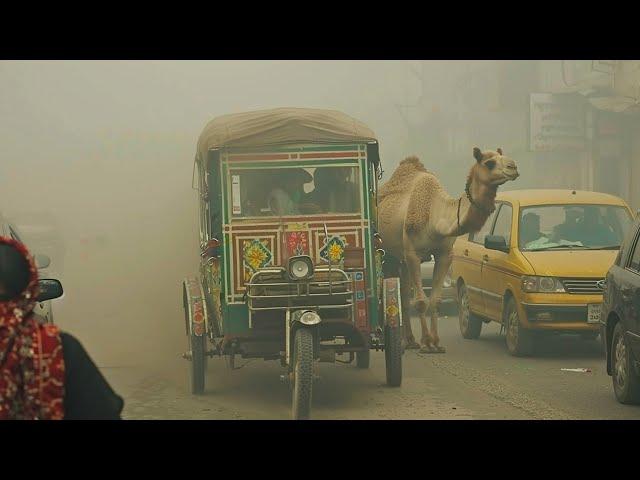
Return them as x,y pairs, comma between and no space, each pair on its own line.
594,312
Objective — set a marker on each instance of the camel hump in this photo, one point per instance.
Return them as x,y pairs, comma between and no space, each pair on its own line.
402,177
414,162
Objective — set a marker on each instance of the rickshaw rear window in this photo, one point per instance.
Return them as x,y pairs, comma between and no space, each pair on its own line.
294,191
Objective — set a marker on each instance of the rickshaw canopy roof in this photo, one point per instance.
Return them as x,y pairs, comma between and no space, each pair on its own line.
281,126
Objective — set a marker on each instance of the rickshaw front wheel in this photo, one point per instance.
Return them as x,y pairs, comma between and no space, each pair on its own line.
303,373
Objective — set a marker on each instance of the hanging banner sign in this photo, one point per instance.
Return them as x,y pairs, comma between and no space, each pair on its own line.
557,123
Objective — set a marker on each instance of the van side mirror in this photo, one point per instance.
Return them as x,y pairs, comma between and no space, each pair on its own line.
496,242
42,261
49,289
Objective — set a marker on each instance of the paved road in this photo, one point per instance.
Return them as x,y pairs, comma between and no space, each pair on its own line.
475,379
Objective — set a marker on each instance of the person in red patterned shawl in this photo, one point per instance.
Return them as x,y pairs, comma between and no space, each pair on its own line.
44,373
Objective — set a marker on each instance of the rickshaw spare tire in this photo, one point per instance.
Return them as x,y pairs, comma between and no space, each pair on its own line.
393,355
198,361
303,373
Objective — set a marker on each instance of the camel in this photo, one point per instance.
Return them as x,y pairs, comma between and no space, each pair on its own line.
418,219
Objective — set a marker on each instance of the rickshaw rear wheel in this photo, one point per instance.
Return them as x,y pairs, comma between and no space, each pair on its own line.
393,355
198,362
303,374
363,358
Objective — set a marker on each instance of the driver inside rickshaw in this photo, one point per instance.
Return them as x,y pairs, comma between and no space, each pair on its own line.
287,193
334,191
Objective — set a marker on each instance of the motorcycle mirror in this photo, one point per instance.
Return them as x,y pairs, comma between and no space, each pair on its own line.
50,288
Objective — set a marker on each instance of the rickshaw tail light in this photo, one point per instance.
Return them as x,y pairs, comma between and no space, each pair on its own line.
377,241
213,243
212,248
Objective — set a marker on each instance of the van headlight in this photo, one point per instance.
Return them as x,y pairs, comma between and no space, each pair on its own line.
300,267
534,284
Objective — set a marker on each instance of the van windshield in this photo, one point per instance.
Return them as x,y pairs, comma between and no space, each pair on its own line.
554,227
269,192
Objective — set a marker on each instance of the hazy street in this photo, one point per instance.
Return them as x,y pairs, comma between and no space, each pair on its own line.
160,199
473,380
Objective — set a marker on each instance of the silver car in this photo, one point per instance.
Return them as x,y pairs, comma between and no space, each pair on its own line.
448,296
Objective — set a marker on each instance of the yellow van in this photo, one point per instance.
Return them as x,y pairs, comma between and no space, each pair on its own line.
538,264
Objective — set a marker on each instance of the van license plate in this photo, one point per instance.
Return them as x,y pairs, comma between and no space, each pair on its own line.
594,312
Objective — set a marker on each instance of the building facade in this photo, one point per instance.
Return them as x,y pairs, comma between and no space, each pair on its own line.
568,124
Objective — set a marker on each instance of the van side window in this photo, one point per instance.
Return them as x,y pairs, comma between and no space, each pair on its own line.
503,223
635,258
478,237
622,260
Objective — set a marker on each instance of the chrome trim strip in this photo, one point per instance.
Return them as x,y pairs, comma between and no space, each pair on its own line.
554,305
302,295
486,292
308,307
633,334
287,327
491,294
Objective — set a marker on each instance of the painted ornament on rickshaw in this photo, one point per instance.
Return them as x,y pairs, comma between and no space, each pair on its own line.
333,250
256,254
297,243
392,310
379,272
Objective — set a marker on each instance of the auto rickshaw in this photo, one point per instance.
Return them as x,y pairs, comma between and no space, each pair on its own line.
291,264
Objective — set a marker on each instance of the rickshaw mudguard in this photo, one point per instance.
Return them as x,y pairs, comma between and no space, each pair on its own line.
392,303
195,306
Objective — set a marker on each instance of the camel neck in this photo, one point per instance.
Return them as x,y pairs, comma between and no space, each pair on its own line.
471,214
482,197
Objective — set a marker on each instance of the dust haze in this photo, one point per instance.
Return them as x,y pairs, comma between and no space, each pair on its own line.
106,149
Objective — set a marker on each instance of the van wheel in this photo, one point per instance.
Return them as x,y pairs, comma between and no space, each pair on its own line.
520,341
470,324
626,382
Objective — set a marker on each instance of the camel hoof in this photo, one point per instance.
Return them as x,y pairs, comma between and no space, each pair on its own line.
411,346
432,349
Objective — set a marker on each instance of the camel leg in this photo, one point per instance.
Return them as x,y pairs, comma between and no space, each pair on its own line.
441,267
413,266
405,295
413,261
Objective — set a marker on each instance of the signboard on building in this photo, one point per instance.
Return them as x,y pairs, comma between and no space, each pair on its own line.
557,122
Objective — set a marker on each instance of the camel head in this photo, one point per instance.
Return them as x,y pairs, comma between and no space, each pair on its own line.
493,168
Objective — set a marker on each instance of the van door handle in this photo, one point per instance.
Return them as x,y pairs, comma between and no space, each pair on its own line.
625,293
466,252
485,258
